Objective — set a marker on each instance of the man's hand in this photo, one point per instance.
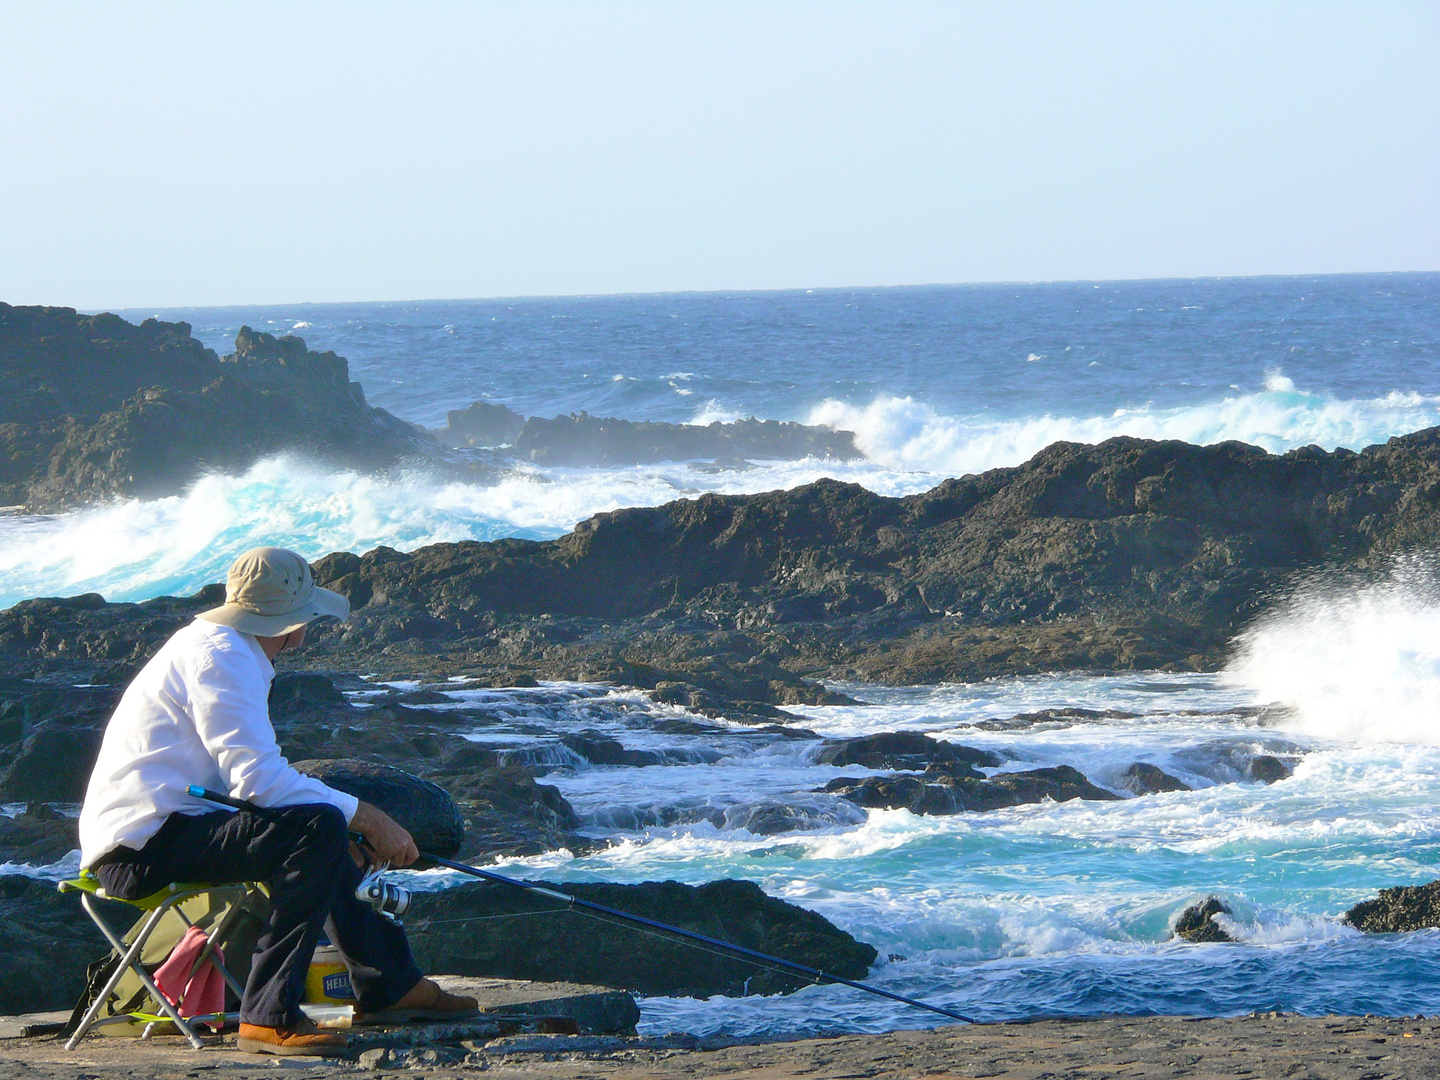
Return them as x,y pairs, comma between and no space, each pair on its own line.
388,840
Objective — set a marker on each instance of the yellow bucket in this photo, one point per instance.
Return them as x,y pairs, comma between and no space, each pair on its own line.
328,980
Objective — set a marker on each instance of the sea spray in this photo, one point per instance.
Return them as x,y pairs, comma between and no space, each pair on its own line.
135,549
904,433
1355,658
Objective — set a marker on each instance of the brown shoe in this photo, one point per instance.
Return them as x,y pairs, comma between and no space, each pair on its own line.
425,1001
304,1039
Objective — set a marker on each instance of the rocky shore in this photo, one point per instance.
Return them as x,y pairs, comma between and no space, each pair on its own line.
1129,554
1275,1046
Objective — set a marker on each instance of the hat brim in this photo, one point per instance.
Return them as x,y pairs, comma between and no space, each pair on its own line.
322,604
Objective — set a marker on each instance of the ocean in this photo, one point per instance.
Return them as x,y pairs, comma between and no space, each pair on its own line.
1035,910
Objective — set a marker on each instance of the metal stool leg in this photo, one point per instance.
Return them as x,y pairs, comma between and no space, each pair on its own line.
130,962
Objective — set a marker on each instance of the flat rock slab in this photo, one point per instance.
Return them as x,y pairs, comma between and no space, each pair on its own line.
596,1010
1269,1045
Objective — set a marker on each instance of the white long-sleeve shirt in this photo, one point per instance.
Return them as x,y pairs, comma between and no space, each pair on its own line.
197,713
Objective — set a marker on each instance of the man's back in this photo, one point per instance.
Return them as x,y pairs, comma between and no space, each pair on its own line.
197,713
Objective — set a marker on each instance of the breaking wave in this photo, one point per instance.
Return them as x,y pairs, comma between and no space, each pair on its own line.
903,433
134,549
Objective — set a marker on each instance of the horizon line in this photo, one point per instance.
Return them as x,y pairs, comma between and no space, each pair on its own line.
800,289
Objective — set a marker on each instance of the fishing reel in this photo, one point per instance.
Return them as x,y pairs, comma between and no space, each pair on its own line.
389,900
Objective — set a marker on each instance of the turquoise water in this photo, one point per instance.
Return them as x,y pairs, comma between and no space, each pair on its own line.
1050,908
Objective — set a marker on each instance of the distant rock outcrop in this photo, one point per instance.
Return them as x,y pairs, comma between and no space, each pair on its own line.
581,440
93,407
591,440
481,424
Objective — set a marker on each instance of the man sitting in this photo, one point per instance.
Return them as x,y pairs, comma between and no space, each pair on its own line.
198,713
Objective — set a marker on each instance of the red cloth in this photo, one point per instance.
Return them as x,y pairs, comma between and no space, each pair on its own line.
193,994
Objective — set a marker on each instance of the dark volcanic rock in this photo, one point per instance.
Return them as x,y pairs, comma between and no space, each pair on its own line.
425,809
1144,778
481,424
937,793
46,941
601,750
903,750
92,407
1404,908
565,944
508,813
303,695
1197,922
1129,554
52,765
591,440
1267,769
39,836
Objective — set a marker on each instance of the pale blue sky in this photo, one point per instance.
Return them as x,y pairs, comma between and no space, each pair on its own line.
211,153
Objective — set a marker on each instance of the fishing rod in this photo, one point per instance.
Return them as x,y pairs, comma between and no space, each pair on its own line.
753,955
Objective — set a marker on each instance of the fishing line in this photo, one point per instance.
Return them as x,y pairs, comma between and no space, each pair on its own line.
587,907
740,950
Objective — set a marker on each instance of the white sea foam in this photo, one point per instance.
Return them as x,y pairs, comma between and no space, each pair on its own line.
904,433
1354,660
134,549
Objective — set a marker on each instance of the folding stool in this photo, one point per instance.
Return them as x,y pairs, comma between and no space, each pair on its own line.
157,905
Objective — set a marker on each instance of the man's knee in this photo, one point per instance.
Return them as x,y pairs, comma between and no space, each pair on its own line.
318,825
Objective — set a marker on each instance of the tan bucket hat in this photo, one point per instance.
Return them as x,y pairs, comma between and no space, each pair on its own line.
270,591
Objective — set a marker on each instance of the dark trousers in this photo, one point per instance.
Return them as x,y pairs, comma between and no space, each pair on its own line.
302,853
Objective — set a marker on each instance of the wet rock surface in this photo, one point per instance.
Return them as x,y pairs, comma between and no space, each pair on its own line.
1398,910
46,942
905,750
40,835
938,793
49,739
1145,779
1197,922
424,809
52,765
509,814
499,931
